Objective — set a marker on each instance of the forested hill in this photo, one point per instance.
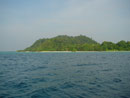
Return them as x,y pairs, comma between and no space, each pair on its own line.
77,43
60,43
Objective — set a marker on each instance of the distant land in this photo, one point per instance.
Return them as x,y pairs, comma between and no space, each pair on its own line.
75,43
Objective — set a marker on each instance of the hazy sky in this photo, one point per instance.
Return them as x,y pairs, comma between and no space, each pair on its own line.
24,21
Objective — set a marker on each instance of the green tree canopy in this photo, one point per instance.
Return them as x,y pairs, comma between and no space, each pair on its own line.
77,43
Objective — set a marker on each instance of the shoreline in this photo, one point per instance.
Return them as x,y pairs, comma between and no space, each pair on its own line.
67,51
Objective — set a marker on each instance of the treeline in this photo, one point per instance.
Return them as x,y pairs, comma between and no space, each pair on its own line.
77,43
105,46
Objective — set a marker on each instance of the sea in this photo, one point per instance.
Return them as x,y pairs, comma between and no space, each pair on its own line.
65,75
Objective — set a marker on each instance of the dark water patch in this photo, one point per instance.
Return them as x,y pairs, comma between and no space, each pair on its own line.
106,70
44,92
4,95
51,74
41,67
40,96
37,80
104,63
117,80
12,59
5,65
1,73
67,85
52,89
84,95
93,91
104,57
92,83
21,85
99,86
97,79
95,84
16,85
80,96
79,71
56,80
124,97
112,88
90,64
8,84
34,68
41,93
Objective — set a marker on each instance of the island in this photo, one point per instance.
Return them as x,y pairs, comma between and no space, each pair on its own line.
75,43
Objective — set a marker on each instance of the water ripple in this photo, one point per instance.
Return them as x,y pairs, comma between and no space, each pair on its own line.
65,75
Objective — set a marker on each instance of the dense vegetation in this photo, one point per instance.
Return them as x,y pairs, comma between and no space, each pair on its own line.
77,43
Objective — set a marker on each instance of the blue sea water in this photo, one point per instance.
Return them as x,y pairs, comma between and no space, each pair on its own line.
65,75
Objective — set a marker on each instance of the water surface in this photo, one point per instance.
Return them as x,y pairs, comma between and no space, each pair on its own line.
65,75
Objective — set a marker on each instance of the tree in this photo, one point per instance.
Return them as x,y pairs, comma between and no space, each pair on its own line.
108,46
122,45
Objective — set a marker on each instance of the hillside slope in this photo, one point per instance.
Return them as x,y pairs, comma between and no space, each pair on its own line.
61,43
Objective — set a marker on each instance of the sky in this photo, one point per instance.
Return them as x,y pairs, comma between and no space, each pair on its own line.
22,22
